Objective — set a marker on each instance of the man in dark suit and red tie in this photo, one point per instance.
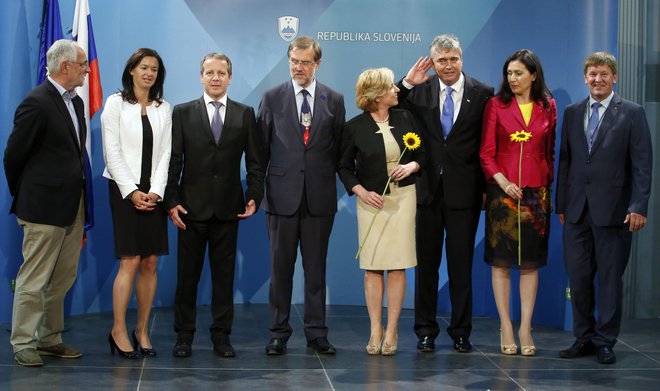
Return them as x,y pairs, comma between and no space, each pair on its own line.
44,165
205,200
603,188
450,190
301,193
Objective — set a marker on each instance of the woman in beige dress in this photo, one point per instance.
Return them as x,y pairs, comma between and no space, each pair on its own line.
371,152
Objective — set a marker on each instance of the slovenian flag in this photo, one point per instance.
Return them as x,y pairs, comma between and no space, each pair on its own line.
90,92
51,31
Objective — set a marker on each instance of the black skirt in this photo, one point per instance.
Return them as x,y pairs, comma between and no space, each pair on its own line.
137,232
502,237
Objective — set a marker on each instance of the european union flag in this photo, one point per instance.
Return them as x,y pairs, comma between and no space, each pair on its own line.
51,31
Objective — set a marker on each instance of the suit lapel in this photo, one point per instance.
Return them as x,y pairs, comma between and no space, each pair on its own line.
578,125
290,111
61,107
537,115
230,119
203,116
466,105
434,99
79,107
606,124
320,107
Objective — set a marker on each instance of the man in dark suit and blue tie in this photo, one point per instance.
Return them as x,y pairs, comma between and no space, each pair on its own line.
603,188
205,199
450,190
300,123
44,164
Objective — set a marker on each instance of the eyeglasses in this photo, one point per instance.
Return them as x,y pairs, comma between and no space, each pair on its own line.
445,61
83,64
295,62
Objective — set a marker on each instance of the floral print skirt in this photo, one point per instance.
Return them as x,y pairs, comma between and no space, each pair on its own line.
501,243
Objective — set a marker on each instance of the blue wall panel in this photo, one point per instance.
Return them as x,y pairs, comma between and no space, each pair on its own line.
354,35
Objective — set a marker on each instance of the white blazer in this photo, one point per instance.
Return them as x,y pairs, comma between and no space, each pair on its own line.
121,125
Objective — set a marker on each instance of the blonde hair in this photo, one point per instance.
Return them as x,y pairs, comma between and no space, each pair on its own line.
370,85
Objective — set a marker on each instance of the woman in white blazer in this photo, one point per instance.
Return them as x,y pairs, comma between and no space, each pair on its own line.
137,140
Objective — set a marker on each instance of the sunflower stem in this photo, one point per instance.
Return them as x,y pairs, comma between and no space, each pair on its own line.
389,179
520,187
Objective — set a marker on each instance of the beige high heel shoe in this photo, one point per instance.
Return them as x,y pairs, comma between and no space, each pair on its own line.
390,350
509,350
374,349
527,350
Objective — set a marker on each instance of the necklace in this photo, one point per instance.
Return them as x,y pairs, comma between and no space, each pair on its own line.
383,121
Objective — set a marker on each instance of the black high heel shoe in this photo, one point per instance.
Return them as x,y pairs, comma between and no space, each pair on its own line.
132,355
144,351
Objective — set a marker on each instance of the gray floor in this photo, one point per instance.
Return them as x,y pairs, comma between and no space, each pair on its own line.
637,368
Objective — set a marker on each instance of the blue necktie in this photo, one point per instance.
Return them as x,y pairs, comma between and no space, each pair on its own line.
592,125
305,116
216,122
447,118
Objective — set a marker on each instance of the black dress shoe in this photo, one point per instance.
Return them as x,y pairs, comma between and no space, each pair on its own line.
579,349
426,344
321,346
143,351
276,347
132,355
182,348
222,347
462,344
606,355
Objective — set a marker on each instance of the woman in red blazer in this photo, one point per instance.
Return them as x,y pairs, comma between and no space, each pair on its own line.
517,157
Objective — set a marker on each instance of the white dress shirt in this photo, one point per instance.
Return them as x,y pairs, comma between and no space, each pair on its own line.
297,90
457,94
601,110
210,109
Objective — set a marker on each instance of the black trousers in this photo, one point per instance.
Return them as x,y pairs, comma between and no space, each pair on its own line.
221,237
456,227
591,251
313,234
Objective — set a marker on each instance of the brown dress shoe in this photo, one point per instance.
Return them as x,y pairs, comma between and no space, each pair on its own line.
28,358
59,350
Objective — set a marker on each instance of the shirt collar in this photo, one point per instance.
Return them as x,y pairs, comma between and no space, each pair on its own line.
605,102
310,88
458,86
62,90
208,99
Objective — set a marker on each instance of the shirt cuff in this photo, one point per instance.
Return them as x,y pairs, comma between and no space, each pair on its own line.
406,84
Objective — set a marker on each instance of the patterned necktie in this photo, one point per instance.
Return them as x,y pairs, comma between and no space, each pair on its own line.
305,117
216,122
447,118
592,125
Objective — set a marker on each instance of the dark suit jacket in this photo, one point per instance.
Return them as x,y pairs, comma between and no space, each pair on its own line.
205,177
293,165
615,178
43,160
363,151
500,154
455,160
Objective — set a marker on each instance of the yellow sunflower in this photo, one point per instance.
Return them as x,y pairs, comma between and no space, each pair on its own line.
411,141
521,136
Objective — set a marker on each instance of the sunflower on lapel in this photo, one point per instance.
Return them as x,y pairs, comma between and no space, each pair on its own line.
520,137
411,141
